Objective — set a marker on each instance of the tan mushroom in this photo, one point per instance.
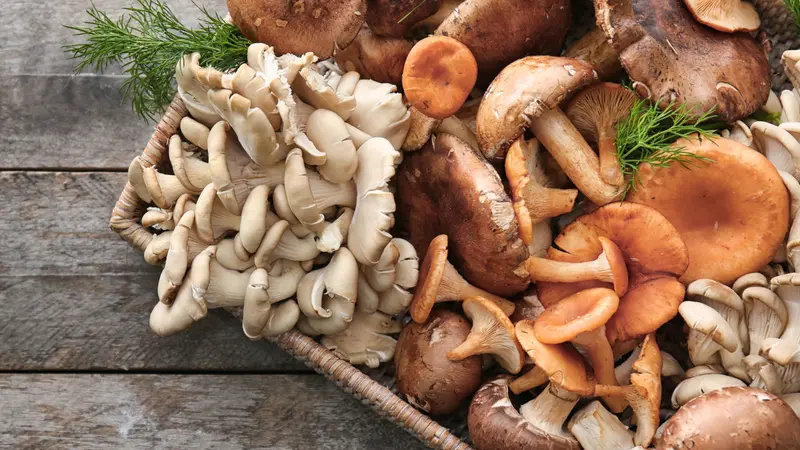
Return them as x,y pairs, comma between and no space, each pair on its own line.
327,131
251,125
193,93
778,145
327,297
193,173
380,112
597,429
700,385
365,340
334,235
166,320
177,260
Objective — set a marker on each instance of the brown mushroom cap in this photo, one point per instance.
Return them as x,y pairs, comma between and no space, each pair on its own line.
425,376
375,57
728,16
316,26
668,57
581,312
562,363
449,188
733,214
395,17
732,417
494,423
522,92
501,31
439,75
654,254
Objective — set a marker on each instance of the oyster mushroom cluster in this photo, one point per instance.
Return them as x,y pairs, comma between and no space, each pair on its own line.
279,203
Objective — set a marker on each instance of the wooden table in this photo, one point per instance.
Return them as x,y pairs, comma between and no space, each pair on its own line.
79,367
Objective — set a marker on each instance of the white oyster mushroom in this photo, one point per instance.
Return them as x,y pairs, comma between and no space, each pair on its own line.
368,299
712,332
365,340
773,104
790,107
701,385
790,59
749,280
793,244
670,367
177,260
739,132
327,297
767,316
785,350
778,145
793,400
313,88
191,171
251,125
193,93
280,243
764,374
334,235
793,186
598,429
396,298
380,112
247,83
263,315
329,136
374,211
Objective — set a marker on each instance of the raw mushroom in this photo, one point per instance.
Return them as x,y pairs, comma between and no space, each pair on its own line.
595,49
580,319
373,215
701,385
778,145
335,233
492,333
527,94
316,26
327,297
380,111
728,16
597,429
441,282
740,182
529,380
192,172
786,349
749,280
495,424
767,316
669,367
177,260
314,88
793,400
500,31
420,130
365,340
449,188
666,54
739,132
710,334
425,376
166,320
192,92
753,419
328,133
392,294
263,315
790,60
378,58
395,18
251,125
790,107
280,243
644,392
654,255
595,112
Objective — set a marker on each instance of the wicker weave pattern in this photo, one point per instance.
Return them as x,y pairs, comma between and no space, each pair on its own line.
778,24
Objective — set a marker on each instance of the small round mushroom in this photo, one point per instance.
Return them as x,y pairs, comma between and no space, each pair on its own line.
753,419
316,26
425,376
492,334
729,16
449,188
441,282
732,213
439,75
595,112
666,54
581,318
527,94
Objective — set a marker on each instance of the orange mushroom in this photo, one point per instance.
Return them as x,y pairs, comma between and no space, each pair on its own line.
732,212
438,76
441,282
529,380
581,318
655,257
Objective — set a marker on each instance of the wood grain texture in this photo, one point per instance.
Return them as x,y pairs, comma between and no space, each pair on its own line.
76,297
188,411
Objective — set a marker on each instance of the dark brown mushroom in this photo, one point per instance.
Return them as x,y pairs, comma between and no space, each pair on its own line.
449,188
316,26
671,58
501,31
425,376
732,417
395,17
375,57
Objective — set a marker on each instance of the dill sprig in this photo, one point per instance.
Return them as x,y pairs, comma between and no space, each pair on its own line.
763,116
148,41
794,8
647,136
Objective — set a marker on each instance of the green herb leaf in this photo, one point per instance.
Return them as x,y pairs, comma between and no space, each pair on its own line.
412,11
148,41
647,135
794,8
763,116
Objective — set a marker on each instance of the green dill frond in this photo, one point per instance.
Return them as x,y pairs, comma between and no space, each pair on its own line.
647,136
794,8
763,116
148,41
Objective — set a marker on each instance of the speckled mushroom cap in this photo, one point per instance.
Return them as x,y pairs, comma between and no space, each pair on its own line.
670,57
494,423
317,26
732,418
522,92
733,214
447,187
654,254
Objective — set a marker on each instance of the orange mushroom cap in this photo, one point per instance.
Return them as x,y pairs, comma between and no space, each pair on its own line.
732,213
584,311
438,76
655,256
431,272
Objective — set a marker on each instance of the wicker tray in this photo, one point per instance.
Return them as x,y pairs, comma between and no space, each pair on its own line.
376,390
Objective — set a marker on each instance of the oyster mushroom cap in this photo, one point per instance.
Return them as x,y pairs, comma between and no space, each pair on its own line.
315,26
701,385
314,88
193,173
193,92
778,145
597,429
754,419
365,340
177,260
657,37
449,188
251,125
336,284
329,134
734,228
380,111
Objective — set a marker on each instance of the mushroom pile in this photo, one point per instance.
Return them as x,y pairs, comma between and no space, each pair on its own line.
279,203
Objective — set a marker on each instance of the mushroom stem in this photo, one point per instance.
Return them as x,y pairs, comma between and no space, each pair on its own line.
573,154
601,357
529,380
455,287
610,171
597,429
550,409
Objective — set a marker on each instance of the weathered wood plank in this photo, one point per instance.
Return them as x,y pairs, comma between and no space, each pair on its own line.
65,121
75,297
33,33
188,411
